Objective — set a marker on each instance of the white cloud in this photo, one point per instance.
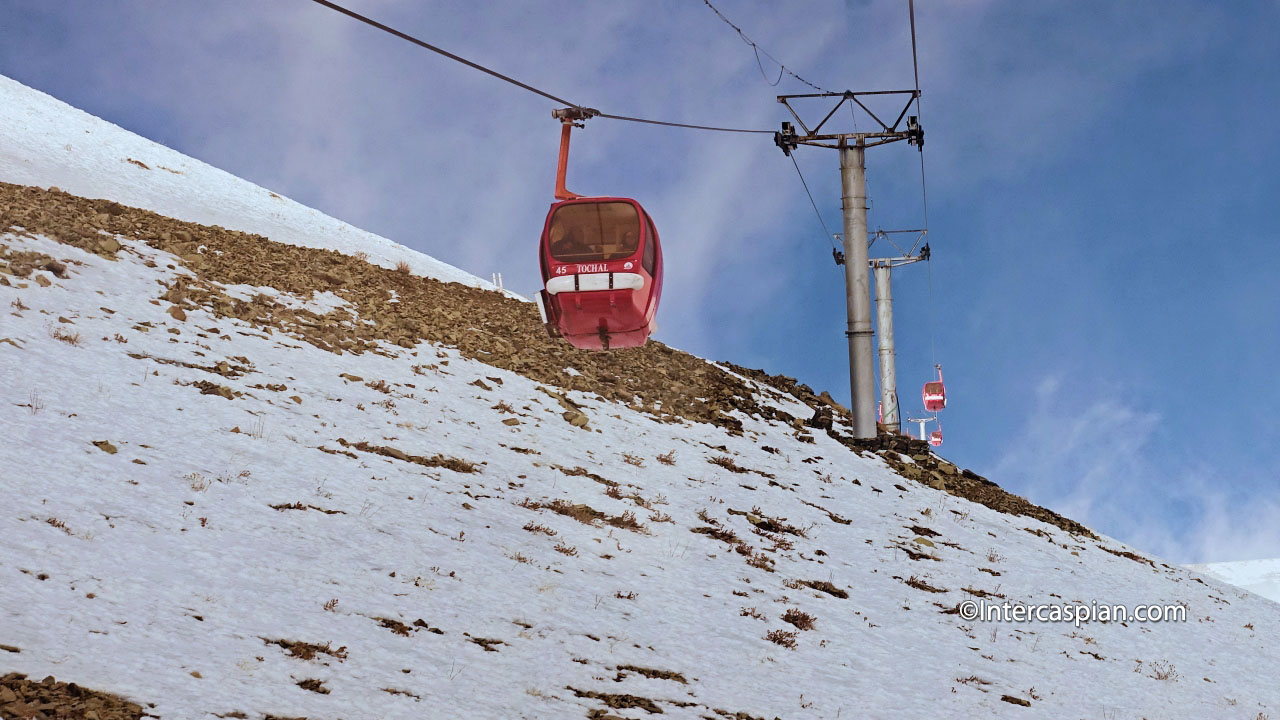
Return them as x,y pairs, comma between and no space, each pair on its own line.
1087,452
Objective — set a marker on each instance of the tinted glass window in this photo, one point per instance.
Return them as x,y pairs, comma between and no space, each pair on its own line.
650,248
592,232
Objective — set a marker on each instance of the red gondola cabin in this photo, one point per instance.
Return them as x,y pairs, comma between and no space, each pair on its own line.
602,273
934,395
935,437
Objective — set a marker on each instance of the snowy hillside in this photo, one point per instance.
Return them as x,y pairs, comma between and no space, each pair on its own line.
1261,577
258,475
47,142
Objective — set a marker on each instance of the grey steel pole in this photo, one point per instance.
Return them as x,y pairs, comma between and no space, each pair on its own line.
888,366
862,381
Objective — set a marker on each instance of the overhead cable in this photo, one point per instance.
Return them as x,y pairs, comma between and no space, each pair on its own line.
423,44
758,50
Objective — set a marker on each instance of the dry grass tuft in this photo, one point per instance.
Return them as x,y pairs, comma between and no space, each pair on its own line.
1163,670
66,336
760,560
800,619
785,638
531,527
819,585
395,626
630,459
651,673
198,482
919,584
314,685
308,651
402,267
668,458
727,463
569,550
721,534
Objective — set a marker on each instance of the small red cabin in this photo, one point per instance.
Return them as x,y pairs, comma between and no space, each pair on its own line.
602,273
934,394
935,437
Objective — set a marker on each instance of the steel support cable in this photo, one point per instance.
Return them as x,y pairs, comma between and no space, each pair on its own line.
817,212
684,125
775,81
933,351
924,189
835,251
759,50
423,44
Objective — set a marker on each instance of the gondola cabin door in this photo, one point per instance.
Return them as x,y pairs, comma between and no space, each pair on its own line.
602,273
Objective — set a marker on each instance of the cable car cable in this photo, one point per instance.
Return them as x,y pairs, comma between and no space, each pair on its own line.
822,222
758,50
423,44
924,189
683,125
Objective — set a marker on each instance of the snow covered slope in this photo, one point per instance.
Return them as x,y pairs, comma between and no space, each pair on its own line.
45,142
1261,577
250,478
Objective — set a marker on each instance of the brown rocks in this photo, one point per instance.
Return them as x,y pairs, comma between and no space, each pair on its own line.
21,697
105,446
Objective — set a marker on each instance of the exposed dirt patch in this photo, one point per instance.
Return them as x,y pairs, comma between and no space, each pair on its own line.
931,470
21,697
586,514
1130,555
919,584
395,626
619,702
489,644
582,472
649,673
756,517
824,586
308,651
299,506
438,461
721,534
314,685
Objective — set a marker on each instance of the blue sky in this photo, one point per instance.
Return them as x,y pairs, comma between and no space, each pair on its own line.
1102,191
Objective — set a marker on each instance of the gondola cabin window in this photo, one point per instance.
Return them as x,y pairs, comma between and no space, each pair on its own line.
650,248
594,232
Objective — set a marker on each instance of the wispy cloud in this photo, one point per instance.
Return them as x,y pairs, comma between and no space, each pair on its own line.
1087,451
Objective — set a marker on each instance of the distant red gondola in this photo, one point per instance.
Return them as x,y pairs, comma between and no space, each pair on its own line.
935,395
601,264
935,437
